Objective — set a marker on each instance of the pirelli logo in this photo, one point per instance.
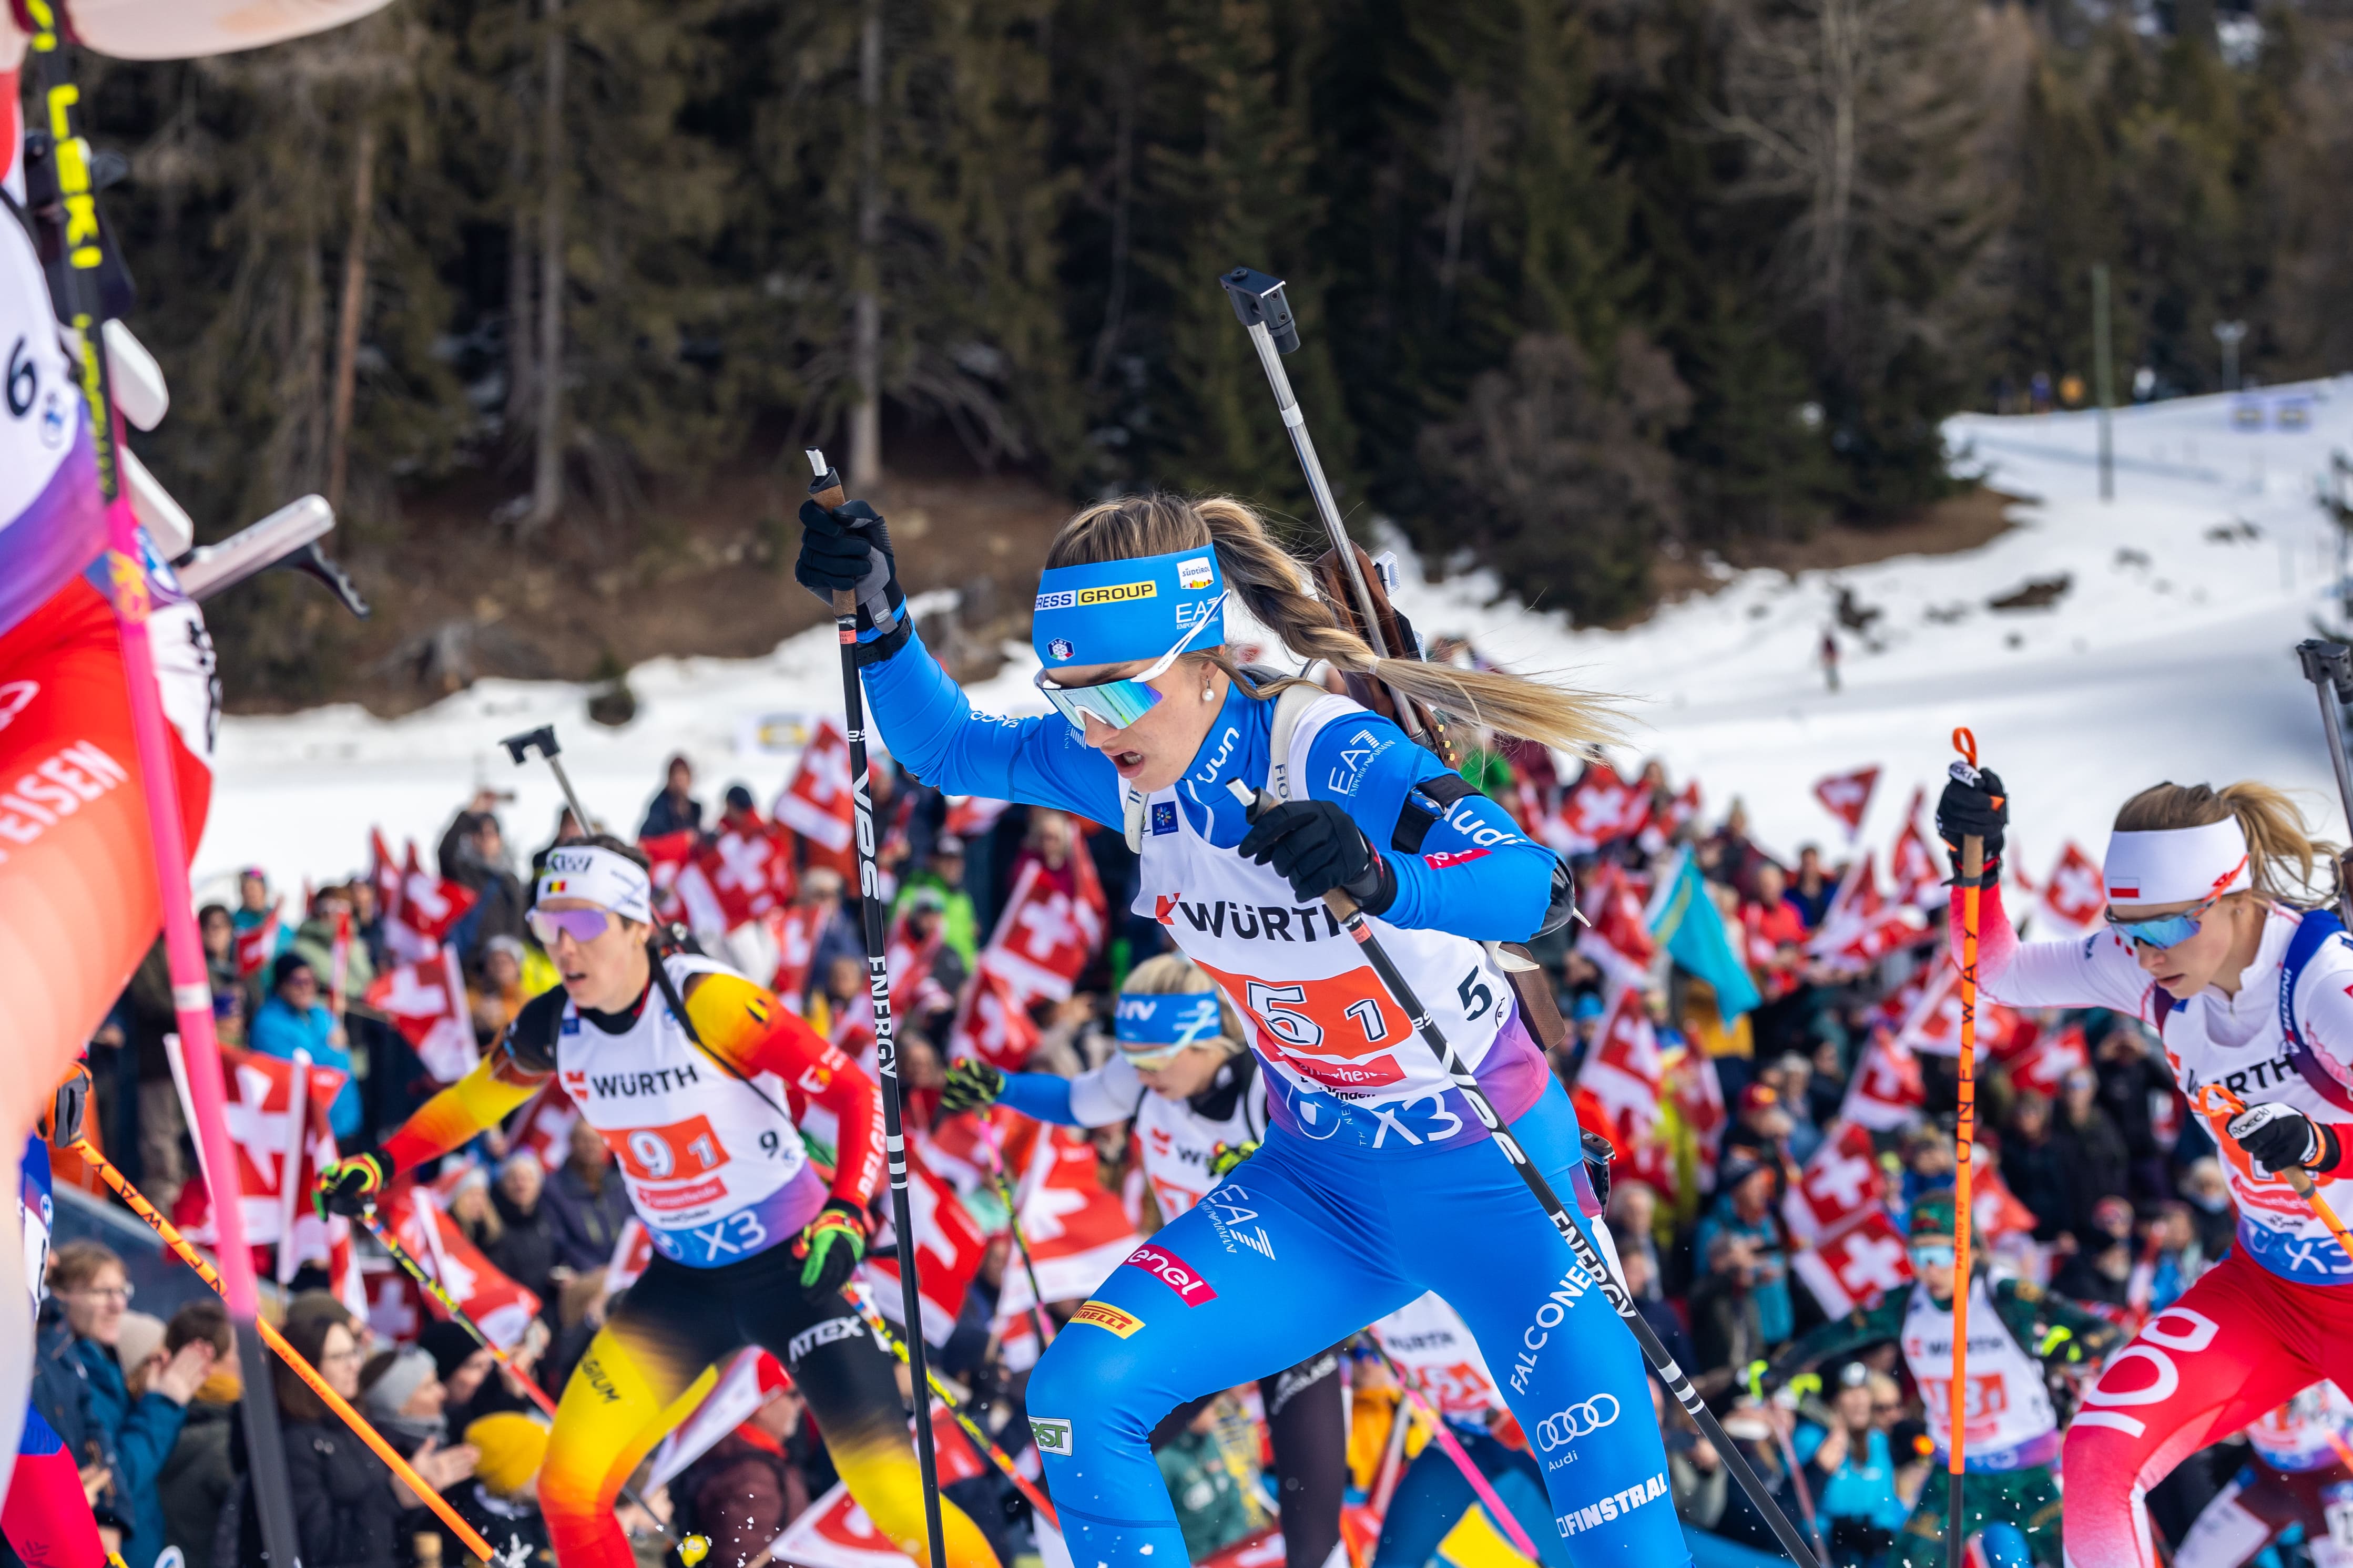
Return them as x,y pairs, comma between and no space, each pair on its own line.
1103,1315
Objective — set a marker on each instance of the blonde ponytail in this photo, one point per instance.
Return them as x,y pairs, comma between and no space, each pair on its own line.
2283,857
1265,577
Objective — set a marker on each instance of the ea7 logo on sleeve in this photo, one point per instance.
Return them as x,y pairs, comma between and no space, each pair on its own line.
1103,1315
1172,1271
1050,1436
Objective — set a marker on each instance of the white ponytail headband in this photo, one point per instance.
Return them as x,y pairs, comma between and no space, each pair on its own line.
601,876
2176,865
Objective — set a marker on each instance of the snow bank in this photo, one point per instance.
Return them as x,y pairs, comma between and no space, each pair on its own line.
2169,654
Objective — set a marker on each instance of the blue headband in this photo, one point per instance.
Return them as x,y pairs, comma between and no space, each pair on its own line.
1183,1019
1114,612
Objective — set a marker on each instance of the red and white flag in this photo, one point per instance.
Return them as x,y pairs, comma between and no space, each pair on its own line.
816,801
949,1248
385,875
2073,897
1848,795
1619,940
915,993
1078,1230
751,1379
545,1126
633,1251
2054,1055
794,930
1912,865
430,906
1048,933
1886,1090
502,1309
1668,819
1624,1070
1598,809
426,1002
1857,1266
1860,926
256,946
974,814
1838,1183
667,854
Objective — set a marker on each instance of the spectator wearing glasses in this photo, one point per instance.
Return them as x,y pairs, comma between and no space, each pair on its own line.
295,1018
84,1389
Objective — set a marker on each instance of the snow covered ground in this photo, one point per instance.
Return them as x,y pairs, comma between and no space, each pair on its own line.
2169,654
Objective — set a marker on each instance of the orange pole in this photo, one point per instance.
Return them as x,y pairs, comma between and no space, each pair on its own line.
1964,1142
466,1534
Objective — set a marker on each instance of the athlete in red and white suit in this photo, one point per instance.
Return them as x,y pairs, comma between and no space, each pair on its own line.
2254,996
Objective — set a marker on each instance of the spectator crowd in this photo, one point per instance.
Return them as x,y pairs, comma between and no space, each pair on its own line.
1734,1018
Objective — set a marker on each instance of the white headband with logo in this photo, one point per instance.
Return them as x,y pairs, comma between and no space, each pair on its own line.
599,875
2176,865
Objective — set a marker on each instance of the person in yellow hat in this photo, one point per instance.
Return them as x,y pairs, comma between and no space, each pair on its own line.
503,1502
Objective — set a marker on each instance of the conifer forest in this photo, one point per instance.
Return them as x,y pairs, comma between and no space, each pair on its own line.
1585,286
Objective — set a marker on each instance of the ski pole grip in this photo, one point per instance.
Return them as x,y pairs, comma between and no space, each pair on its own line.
1972,859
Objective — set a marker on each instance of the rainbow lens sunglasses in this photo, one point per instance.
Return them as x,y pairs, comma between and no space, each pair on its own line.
2167,930
1120,703
585,925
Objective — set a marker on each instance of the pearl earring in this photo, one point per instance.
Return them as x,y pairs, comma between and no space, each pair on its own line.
1209,691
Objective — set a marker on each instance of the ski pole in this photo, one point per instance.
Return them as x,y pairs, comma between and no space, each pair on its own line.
691,1548
881,1326
466,1535
543,741
825,489
2214,1101
1264,312
1483,1488
1588,1257
1972,885
60,196
1013,1218
2329,667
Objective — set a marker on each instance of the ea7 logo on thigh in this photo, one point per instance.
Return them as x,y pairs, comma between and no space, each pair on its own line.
1051,1436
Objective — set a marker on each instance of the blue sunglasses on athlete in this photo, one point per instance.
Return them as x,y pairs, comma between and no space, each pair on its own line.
1118,612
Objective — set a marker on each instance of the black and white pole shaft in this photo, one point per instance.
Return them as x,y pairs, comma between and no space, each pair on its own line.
1265,313
2329,667
1588,1257
826,490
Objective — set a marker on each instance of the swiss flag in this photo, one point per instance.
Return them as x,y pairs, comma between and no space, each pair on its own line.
1598,809
994,1023
633,1250
1848,795
749,865
914,993
2074,896
275,1114
1052,927
1698,1096
949,1248
794,930
973,813
545,1126
2044,1069
1667,819
1911,866
815,802
502,1308
1856,1266
753,1378
1078,1230
1619,940
426,1002
256,946
1838,1183
1623,1071
386,874
1886,1090
669,855
430,906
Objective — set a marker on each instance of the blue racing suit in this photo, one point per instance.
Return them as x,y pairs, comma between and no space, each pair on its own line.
1373,1185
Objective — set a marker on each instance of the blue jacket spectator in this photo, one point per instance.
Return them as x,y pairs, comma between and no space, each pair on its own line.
295,1019
1743,1207
88,1335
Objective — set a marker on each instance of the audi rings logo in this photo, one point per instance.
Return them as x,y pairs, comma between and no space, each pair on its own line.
1562,1427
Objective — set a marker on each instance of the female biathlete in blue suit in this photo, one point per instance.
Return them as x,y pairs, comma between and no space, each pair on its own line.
1374,1183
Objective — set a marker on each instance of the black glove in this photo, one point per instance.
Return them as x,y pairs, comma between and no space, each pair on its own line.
849,548
971,1084
1316,847
350,1186
832,1245
1981,808
2279,1136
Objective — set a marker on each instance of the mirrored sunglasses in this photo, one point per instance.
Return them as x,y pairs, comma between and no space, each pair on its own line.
1939,1256
1122,702
585,925
2167,930
1149,1057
